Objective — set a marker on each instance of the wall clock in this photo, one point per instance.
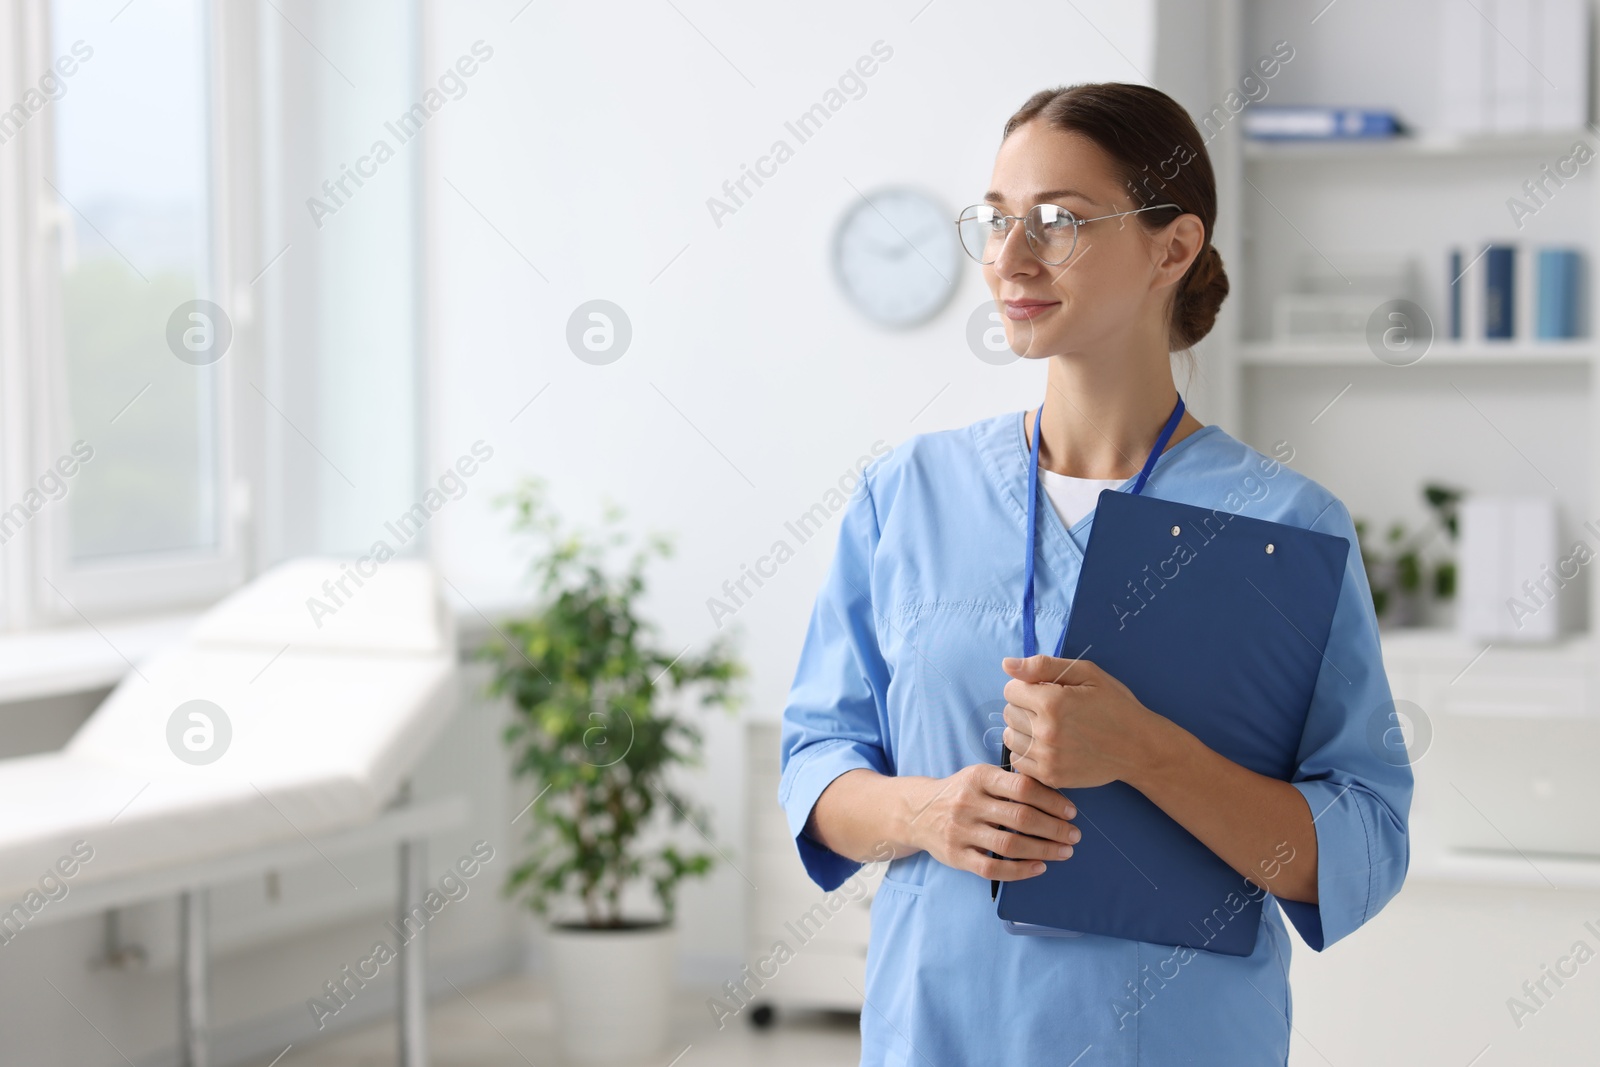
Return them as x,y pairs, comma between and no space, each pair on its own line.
897,256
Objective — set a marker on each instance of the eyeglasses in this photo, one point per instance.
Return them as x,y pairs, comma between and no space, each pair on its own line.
1051,230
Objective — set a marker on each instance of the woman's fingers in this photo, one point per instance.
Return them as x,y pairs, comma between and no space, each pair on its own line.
1025,819
1017,846
1015,817
1001,870
1019,743
1005,869
1024,789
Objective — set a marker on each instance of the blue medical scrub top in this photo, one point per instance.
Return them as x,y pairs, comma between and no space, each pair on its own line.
900,672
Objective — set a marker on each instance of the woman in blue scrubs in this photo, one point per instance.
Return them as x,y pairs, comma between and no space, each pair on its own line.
1096,239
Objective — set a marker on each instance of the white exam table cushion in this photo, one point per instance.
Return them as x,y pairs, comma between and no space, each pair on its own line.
396,608
322,738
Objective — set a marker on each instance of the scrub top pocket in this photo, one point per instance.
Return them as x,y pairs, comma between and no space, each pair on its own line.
960,685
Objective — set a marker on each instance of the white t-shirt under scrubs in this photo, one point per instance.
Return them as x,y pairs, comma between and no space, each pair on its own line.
1074,497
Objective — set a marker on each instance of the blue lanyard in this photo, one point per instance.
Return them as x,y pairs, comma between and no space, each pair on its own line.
1030,643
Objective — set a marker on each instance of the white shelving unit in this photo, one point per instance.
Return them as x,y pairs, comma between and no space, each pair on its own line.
1492,417
1487,416
1432,972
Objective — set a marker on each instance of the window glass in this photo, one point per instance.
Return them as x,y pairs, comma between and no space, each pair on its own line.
131,177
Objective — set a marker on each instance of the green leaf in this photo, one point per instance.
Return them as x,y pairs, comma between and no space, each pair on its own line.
1409,572
1444,580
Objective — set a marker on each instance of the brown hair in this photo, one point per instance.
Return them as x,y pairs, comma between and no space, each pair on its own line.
1148,134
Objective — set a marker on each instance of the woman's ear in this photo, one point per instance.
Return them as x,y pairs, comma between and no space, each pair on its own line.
1176,247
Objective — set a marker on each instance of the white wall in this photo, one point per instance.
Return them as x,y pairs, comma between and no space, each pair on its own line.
591,141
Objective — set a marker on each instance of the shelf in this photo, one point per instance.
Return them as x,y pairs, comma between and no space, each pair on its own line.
1432,861
1541,144
1445,645
1508,354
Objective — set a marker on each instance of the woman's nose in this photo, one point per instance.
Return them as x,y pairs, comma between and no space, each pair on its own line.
1016,256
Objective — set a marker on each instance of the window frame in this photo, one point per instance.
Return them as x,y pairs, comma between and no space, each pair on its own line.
40,584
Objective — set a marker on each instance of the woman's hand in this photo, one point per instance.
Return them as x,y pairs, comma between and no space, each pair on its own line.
1073,726
959,820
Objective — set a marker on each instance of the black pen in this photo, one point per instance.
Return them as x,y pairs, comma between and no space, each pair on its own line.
994,883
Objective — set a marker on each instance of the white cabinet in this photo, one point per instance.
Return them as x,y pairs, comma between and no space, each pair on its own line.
823,936
1486,726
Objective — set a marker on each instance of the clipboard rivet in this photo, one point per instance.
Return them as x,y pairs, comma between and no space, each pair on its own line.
1174,531
1269,548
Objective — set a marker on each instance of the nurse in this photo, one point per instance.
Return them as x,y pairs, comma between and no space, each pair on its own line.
1096,242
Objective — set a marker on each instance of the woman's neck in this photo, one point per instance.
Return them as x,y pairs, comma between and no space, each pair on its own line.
1102,419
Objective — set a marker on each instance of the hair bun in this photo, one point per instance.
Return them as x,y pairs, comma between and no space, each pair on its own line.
1200,297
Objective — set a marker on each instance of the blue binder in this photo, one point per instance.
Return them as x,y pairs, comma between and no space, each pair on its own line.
1219,622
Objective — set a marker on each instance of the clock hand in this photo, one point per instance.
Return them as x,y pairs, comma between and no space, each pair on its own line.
881,249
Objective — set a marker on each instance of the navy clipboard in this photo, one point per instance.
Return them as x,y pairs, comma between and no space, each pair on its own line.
1217,621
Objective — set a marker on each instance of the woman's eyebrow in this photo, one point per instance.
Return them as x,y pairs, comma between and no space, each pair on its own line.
995,197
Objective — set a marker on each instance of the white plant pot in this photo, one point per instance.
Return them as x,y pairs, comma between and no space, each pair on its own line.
613,991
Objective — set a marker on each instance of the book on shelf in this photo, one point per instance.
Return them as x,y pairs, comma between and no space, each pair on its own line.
1500,293
1513,66
1454,282
1559,314
1286,123
1507,543
1514,292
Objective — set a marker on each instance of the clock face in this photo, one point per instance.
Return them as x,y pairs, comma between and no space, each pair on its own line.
897,256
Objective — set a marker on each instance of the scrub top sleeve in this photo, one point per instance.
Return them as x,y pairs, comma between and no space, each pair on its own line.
833,721
1353,770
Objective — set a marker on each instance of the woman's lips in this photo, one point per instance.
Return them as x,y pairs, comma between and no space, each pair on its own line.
1028,309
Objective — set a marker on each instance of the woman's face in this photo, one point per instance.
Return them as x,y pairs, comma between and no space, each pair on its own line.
1113,291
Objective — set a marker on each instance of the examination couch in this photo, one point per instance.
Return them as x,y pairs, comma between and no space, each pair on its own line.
282,727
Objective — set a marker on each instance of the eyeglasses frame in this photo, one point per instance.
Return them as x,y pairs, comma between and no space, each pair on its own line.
1076,225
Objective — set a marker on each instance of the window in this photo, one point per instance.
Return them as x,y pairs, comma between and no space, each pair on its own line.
131,174
120,490
198,375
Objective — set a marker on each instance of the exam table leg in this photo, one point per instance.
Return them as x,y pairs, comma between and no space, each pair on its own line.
194,979
413,958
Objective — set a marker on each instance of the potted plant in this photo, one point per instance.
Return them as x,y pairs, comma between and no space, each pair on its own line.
1402,576
598,725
